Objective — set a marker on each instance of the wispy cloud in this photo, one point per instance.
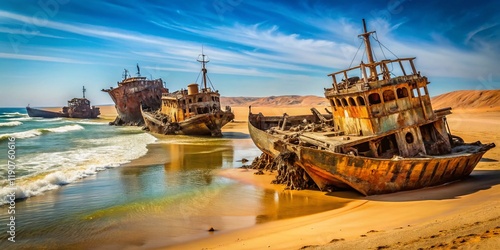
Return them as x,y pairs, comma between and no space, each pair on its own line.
39,58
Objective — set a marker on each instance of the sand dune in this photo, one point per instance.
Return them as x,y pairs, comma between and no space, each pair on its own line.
285,100
487,100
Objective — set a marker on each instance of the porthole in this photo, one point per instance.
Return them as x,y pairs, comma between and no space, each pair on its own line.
409,138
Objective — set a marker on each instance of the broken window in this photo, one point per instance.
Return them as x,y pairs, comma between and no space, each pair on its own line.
338,103
344,102
388,95
361,101
352,102
402,92
374,98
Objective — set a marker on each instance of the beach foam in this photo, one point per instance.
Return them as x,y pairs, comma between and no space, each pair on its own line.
51,170
10,124
12,114
38,132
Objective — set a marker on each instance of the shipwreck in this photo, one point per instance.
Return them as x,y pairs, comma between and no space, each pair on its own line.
131,93
77,108
191,111
381,134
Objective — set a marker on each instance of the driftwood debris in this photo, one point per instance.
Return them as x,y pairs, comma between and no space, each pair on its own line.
288,173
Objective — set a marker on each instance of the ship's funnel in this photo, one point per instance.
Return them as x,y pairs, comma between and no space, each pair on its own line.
192,89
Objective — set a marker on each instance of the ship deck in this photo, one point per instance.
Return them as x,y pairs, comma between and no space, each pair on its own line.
329,140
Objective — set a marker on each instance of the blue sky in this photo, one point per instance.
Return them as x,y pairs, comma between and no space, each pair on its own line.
51,48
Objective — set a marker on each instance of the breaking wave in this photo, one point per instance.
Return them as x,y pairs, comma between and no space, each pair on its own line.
10,124
52,170
40,131
12,114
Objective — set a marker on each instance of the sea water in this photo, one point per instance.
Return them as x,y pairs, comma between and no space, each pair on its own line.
75,187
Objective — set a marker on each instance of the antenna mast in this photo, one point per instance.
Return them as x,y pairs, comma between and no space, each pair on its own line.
138,70
369,52
203,69
125,74
84,90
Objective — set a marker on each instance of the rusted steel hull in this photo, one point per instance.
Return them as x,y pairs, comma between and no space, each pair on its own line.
32,112
88,113
129,97
371,176
203,124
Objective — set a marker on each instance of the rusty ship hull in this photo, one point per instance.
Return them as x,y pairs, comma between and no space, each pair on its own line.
130,94
33,112
77,108
204,124
368,176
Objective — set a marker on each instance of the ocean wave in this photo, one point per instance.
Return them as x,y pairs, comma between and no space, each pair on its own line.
38,132
25,118
12,114
52,170
48,119
10,124
63,129
91,123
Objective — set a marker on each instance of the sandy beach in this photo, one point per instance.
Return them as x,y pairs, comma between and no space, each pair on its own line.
460,215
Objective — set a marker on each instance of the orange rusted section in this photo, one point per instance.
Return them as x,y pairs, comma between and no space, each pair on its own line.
131,93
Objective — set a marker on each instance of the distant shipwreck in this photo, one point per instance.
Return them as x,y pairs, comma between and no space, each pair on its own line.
77,108
381,135
189,112
131,93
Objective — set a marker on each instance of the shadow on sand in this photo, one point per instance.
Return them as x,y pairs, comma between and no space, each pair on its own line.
477,181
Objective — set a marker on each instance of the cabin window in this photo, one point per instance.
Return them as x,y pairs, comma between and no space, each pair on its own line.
332,103
409,138
344,102
374,98
352,102
402,92
423,91
338,103
414,93
388,95
361,101
190,100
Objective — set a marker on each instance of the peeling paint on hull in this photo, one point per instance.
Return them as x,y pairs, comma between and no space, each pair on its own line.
371,176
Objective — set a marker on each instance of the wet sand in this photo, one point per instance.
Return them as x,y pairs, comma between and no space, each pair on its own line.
464,214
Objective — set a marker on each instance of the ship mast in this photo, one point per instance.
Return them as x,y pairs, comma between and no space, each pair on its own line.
369,52
84,90
203,69
138,70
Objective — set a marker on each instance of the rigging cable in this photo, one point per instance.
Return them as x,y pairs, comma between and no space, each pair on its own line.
356,55
376,39
210,81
